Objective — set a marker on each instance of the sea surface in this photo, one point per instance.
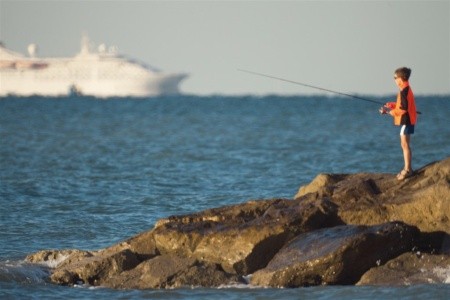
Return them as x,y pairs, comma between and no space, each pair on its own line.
86,173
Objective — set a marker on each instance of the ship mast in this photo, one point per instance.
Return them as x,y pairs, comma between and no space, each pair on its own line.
84,45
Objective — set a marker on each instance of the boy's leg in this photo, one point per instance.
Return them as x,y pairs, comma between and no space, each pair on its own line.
404,141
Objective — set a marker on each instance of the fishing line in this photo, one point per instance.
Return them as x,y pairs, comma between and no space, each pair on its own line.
310,86
314,87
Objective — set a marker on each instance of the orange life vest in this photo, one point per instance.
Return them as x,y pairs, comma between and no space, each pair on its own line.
404,111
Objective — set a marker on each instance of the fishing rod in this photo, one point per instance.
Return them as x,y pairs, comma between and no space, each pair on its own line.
314,87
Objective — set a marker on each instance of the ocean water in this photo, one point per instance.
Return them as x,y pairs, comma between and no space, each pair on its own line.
87,173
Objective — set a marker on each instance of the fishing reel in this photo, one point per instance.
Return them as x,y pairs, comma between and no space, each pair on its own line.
383,110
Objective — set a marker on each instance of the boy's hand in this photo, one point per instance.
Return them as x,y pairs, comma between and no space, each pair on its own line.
390,105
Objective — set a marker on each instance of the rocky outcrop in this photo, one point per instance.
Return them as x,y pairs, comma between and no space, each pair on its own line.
339,229
368,199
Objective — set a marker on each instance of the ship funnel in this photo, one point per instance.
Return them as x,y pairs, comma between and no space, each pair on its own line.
85,47
32,50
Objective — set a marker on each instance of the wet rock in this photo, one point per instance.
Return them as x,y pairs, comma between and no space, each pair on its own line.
369,199
434,242
171,271
96,269
410,268
338,255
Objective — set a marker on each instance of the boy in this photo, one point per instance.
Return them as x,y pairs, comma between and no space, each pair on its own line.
405,115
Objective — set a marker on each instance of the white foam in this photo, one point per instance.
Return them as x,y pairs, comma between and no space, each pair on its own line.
54,262
246,285
239,286
443,274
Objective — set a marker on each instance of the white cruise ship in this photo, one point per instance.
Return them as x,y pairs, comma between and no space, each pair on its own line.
102,73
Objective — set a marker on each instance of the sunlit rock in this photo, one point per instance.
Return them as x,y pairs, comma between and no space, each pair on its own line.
339,255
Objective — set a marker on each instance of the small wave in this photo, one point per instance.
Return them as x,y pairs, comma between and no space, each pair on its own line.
22,272
240,286
243,285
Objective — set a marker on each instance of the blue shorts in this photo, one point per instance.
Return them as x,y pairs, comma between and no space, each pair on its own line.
407,129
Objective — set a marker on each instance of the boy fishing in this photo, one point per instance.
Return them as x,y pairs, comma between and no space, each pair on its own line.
405,115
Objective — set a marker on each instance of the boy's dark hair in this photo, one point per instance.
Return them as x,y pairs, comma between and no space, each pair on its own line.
403,73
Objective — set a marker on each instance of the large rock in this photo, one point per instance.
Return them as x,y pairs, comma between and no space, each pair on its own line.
369,199
340,255
243,238
410,268
96,269
221,245
172,271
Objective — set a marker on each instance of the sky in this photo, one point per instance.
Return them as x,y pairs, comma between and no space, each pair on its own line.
347,46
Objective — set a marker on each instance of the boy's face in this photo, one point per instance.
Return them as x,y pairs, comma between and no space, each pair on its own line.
398,81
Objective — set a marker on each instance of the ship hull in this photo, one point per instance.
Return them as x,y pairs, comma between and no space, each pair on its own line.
28,83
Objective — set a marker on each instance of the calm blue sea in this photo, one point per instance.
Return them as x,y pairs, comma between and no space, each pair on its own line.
87,173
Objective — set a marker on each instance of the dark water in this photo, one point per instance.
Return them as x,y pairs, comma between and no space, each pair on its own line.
86,173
